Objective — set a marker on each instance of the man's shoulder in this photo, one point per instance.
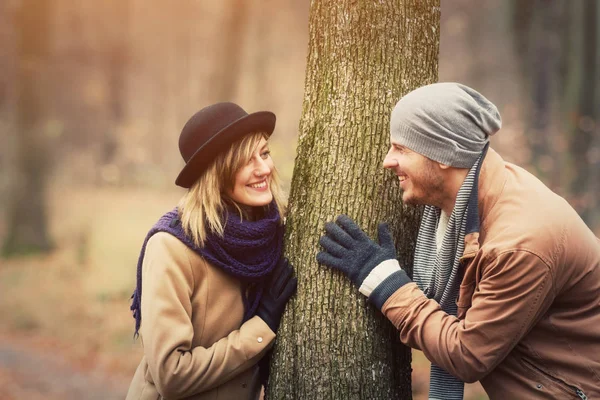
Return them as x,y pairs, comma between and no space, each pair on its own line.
526,231
527,213
551,233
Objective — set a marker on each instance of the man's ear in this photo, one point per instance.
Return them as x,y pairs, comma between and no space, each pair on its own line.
443,166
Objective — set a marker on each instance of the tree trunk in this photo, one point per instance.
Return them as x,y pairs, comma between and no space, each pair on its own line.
228,66
27,225
116,64
363,56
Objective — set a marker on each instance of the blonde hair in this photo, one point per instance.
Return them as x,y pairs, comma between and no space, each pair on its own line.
201,208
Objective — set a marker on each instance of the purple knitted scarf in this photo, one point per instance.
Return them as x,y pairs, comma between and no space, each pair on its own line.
248,250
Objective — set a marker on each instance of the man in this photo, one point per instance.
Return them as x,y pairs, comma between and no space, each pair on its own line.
506,284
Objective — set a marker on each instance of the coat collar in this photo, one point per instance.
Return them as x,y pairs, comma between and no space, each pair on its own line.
491,183
492,179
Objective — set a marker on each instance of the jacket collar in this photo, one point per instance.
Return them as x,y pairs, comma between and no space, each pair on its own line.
491,181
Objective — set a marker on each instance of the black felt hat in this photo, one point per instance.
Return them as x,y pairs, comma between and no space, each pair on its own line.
211,131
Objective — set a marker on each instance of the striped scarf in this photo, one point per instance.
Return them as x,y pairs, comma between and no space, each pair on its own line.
441,282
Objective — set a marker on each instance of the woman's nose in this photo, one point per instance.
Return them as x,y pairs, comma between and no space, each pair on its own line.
262,168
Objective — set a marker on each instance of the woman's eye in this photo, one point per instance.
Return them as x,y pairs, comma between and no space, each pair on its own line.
265,154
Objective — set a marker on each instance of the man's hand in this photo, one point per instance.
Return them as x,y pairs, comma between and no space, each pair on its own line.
371,266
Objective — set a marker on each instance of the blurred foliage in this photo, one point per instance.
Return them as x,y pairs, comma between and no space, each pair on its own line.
538,61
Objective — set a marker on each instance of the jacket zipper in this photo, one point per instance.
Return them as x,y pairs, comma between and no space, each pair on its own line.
578,391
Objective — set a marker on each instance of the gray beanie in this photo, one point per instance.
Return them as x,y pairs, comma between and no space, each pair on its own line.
446,122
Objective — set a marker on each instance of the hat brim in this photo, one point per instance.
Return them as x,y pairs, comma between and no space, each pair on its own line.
262,121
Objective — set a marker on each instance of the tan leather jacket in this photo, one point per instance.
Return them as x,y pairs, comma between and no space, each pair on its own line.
529,304
195,345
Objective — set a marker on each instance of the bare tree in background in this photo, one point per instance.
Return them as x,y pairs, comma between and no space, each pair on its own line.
116,63
363,56
227,65
539,48
582,109
27,219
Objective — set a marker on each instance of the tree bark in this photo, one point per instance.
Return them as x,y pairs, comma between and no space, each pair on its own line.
363,56
27,220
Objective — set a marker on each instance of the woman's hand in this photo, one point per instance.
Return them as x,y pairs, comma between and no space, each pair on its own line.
280,287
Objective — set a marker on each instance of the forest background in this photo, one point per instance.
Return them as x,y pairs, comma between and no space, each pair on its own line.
92,142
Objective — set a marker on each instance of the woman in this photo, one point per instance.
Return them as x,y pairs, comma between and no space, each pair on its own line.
211,282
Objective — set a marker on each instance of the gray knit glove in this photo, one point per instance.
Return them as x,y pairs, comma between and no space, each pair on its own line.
371,266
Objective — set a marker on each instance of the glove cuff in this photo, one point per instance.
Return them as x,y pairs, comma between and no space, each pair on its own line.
378,275
388,286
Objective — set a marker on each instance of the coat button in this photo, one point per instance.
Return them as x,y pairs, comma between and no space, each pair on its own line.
539,386
259,340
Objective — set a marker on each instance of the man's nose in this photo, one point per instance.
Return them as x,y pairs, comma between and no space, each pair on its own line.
390,161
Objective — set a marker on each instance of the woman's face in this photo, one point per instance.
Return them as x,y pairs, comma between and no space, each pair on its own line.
252,184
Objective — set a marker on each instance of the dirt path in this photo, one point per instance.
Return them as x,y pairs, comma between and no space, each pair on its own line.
32,374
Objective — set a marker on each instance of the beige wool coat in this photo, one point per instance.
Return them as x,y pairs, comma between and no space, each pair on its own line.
195,344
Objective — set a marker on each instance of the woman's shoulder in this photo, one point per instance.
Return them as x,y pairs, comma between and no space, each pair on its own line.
167,253
162,238
166,242
166,246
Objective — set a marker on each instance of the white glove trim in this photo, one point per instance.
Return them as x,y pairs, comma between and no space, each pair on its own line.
378,275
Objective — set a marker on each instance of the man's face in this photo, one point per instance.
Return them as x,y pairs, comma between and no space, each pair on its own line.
421,179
